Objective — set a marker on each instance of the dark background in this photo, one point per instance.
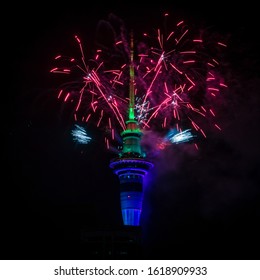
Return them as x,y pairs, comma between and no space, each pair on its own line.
198,206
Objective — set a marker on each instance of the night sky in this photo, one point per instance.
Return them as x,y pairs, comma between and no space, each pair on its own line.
199,205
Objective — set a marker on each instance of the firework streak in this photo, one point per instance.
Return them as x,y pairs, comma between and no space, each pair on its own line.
177,81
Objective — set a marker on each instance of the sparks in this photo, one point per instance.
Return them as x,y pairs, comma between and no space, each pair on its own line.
180,137
175,83
79,135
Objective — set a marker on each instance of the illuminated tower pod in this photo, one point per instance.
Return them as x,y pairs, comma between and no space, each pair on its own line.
131,166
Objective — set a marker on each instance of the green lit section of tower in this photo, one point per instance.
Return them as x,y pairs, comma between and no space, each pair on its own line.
131,165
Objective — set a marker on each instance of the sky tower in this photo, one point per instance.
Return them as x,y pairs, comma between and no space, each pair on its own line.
131,165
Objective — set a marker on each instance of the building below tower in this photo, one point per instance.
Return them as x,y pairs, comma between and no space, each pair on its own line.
112,244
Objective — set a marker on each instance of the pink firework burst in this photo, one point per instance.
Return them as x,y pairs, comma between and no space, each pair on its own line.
177,81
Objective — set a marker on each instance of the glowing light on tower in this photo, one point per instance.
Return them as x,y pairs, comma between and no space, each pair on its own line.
131,165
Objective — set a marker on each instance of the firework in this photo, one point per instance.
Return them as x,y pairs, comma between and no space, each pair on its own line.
176,82
180,137
79,134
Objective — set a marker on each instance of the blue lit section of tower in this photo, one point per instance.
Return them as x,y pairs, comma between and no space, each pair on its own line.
131,165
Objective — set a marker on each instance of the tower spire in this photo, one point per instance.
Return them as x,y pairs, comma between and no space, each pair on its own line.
131,112
132,134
